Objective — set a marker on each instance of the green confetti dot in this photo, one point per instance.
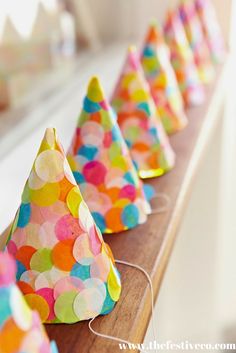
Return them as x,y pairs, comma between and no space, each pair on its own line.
64,307
41,260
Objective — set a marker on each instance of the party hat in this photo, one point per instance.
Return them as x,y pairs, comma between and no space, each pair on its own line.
101,164
64,268
140,122
10,35
196,40
162,80
211,29
182,60
20,327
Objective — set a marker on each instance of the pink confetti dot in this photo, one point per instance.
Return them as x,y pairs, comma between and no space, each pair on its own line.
7,269
94,172
128,192
47,294
67,227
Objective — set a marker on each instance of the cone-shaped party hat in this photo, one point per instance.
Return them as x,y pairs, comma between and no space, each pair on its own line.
10,35
20,327
194,32
102,165
140,122
211,29
162,81
182,60
64,268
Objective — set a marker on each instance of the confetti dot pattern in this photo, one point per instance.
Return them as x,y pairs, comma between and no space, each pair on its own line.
104,168
182,60
20,327
57,245
140,122
194,33
162,81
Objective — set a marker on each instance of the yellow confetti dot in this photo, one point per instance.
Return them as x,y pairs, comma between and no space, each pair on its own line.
73,201
113,283
139,95
128,79
47,195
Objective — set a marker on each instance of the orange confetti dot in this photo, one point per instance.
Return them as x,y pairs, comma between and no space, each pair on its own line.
11,337
153,160
24,255
95,117
62,255
24,287
36,302
113,193
113,220
65,187
142,147
76,143
180,76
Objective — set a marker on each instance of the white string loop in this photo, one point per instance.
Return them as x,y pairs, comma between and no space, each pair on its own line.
163,208
117,339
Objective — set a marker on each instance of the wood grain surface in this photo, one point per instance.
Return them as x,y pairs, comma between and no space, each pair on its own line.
150,244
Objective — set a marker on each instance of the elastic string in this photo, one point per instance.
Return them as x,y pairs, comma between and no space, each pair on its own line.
163,208
117,339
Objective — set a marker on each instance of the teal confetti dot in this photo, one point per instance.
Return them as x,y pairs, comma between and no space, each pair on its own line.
99,220
24,215
80,271
108,304
91,107
5,309
130,216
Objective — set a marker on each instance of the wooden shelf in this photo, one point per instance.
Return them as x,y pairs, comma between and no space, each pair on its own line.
149,245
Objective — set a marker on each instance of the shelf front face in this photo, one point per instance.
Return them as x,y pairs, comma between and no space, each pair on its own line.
149,245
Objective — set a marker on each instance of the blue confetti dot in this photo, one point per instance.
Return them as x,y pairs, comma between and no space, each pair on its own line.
154,132
24,215
108,304
53,346
116,134
100,221
130,216
149,191
80,271
79,178
20,269
91,107
88,151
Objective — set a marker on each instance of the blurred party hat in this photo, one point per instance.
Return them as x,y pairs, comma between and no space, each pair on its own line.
140,122
194,32
102,165
182,60
211,29
10,35
64,268
20,327
162,80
